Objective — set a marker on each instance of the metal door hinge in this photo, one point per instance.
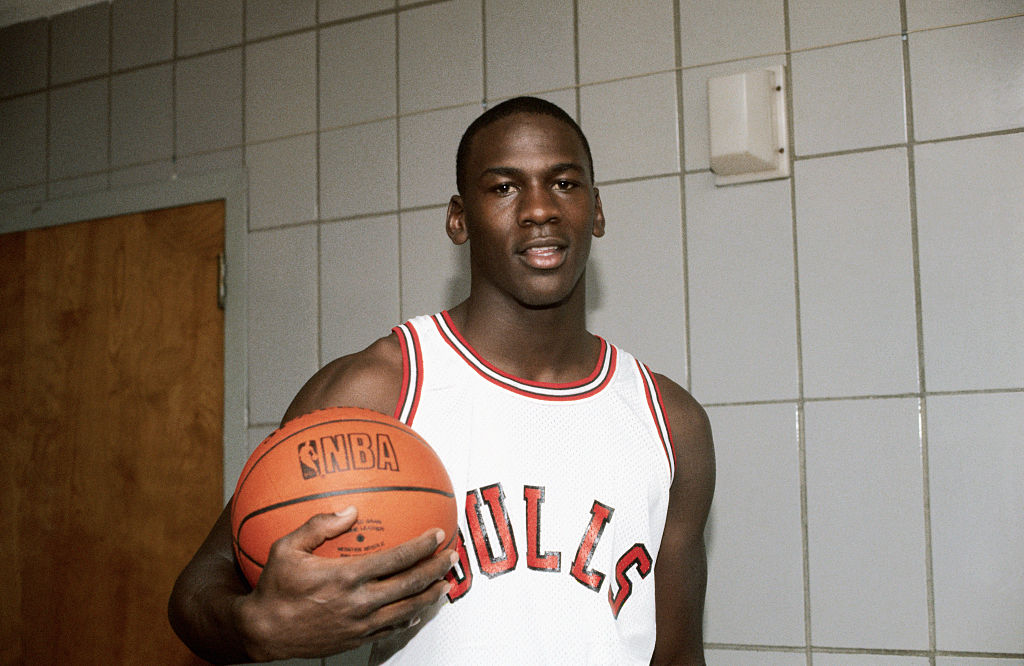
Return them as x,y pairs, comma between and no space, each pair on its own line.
222,285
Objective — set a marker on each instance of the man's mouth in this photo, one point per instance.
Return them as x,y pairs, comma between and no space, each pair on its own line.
544,257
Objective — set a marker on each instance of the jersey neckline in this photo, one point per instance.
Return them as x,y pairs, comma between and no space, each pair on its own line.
590,385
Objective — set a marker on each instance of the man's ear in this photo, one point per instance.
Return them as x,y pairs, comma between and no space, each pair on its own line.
455,222
598,215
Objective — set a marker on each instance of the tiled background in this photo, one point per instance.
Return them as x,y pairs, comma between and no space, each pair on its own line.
856,331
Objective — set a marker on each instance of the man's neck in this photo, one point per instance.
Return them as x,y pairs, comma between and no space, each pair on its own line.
549,344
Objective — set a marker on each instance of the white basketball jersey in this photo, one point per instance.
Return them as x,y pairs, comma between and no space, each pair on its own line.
563,491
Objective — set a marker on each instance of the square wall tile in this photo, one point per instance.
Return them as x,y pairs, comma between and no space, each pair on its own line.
742,295
22,141
205,25
357,72
79,129
422,82
625,39
80,44
282,302
333,10
142,32
712,32
359,283
351,184
857,308
435,272
823,22
865,524
529,46
637,262
977,509
427,146
696,145
924,14
830,659
725,657
208,95
280,87
141,116
282,182
632,126
849,96
755,518
971,242
23,51
968,79
264,18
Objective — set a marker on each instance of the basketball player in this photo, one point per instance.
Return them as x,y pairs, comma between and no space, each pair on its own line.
587,479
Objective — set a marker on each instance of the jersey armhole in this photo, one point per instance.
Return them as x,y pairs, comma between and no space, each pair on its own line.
657,407
412,373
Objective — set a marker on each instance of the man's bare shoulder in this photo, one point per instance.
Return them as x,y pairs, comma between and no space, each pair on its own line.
370,378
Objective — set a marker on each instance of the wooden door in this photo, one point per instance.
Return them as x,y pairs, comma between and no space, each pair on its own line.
111,414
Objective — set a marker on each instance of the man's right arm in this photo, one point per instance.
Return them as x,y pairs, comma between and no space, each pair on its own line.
305,605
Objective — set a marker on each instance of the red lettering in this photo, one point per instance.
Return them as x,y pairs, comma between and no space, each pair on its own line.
491,565
638,557
460,583
550,561
600,515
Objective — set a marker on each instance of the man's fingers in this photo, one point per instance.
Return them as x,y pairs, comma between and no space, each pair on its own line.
318,529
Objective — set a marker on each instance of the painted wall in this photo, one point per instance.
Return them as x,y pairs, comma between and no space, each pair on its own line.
856,331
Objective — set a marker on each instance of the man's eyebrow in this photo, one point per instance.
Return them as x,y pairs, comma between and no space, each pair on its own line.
512,171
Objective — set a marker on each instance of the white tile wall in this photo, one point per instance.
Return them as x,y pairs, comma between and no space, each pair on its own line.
814,23
359,283
435,72
280,87
857,105
357,187
755,588
357,56
857,308
730,30
971,221
625,285
968,79
324,103
617,40
634,125
974,449
866,537
742,300
541,28
282,318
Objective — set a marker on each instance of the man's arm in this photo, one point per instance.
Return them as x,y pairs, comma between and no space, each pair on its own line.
681,569
305,605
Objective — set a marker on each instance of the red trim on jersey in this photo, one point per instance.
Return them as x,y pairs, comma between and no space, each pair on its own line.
412,373
594,383
657,407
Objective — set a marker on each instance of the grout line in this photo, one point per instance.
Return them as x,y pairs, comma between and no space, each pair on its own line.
576,62
801,425
316,198
398,159
687,377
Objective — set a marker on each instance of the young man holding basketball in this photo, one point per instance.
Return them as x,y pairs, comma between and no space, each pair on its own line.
587,479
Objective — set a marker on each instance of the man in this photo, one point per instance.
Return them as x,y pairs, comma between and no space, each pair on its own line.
587,478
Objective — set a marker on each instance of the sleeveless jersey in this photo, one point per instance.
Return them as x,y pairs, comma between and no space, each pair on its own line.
563,491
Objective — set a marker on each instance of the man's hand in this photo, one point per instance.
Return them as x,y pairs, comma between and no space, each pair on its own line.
305,605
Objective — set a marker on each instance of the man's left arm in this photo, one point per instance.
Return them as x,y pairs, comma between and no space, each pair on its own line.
681,568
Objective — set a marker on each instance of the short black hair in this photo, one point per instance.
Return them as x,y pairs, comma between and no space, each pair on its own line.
508,108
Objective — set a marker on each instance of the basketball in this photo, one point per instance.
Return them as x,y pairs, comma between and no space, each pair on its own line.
330,459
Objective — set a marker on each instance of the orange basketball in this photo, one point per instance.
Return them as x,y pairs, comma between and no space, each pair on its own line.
327,460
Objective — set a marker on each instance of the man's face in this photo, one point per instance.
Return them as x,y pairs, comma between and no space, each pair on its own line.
529,211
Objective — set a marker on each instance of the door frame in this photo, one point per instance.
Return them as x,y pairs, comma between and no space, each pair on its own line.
229,185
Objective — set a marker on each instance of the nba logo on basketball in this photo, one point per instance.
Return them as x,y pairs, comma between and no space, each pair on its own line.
344,452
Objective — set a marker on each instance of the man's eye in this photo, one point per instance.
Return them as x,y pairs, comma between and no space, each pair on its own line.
503,188
565,184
